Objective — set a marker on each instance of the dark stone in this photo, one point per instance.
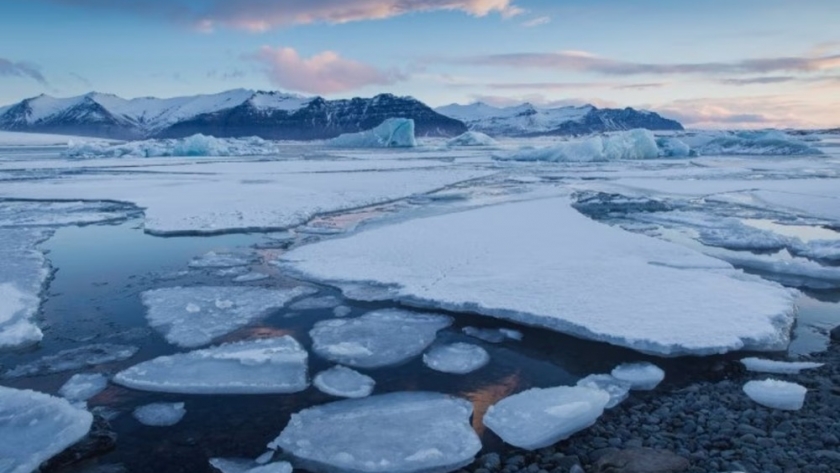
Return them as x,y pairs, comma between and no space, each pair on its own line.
641,460
835,333
99,441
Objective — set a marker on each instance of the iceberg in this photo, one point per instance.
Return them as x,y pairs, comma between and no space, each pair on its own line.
81,387
545,255
392,133
379,338
456,358
271,365
776,394
633,144
759,143
761,365
227,465
23,273
160,414
537,418
641,376
191,146
343,382
616,388
403,432
34,427
87,356
190,317
472,138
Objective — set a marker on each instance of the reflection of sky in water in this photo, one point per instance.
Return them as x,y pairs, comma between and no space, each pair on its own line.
805,233
485,396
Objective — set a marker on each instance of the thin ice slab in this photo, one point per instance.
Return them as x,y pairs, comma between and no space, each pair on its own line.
761,365
776,394
404,432
271,365
456,358
343,382
193,316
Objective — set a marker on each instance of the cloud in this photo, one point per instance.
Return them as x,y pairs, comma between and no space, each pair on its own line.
262,15
567,85
323,73
770,111
22,69
543,20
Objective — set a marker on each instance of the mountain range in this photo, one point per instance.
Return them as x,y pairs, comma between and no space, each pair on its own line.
282,116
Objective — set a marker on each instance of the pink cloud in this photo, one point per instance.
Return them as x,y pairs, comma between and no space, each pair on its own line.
323,73
770,111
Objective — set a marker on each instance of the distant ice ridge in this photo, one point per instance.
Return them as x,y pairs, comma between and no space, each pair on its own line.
34,427
456,358
761,143
343,382
472,138
271,365
160,414
779,367
81,387
23,273
537,418
193,316
392,133
776,394
403,432
195,145
545,255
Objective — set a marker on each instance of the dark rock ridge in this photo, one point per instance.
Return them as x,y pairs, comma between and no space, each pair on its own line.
600,120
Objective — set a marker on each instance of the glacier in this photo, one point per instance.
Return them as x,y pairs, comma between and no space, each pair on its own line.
160,414
402,432
190,317
776,394
341,381
271,365
545,255
392,133
456,358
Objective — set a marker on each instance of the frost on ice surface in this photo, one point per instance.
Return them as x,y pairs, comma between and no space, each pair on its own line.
81,387
160,414
73,359
195,145
271,365
212,259
401,432
315,303
34,427
776,394
537,418
456,358
761,365
546,254
379,338
193,316
392,133
642,376
343,382
616,388
23,273
632,144
242,465
472,138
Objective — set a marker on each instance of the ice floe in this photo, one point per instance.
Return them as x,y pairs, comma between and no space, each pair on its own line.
379,338
642,376
456,358
83,386
160,414
545,255
343,382
538,417
23,273
74,358
242,465
616,388
472,138
193,316
34,427
761,365
392,133
272,365
404,432
776,394
632,144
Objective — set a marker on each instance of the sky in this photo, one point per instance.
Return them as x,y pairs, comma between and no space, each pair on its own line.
707,63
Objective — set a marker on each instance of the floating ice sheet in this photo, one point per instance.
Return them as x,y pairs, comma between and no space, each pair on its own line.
272,365
343,382
779,367
193,316
73,359
81,387
160,414
23,273
404,432
456,358
776,394
641,376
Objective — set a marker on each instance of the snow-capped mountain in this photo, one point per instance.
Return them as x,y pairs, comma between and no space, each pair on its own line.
529,120
234,113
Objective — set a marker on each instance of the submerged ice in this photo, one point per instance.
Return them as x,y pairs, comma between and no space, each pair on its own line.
81,387
241,465
343,382
456,358
160,414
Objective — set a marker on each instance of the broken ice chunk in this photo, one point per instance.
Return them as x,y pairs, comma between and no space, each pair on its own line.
537,418
776,394
378,338
616,388
642,376
489,335
242,465
404,432
456,358
343,382
271,365
81,387
779,367
160,414
74,358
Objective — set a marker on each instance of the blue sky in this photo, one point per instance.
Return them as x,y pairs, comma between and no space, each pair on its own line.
710,63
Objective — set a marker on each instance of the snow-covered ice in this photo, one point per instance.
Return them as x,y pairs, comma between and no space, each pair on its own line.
379,338
545,255
642,376
404,432
23,273
344,382
212,259
160,414
632,144
776,394
242,465
616,388
456,358
761,365
83,386
193,316
86,356
392,133
537,418
271,365
472,138
34,427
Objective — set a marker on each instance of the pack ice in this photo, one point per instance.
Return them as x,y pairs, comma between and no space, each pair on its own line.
542,263
271,365
193,316
22,274
378,338
456,358
537,418
160,414
776,394
343,382
392,133
34,427
404,432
